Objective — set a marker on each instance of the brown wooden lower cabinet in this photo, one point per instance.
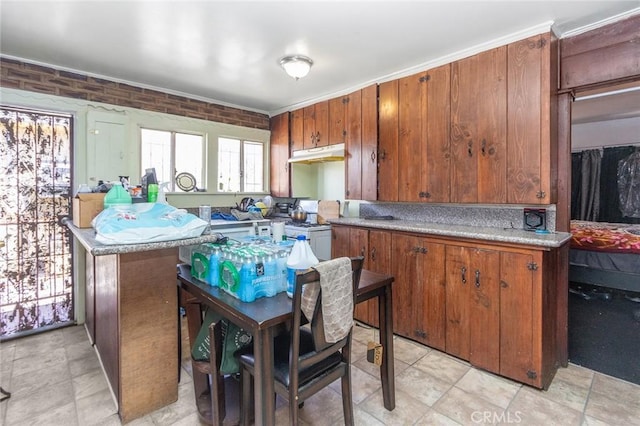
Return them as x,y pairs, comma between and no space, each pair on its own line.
379,260
419,294
494,305
473,305
529,297
375,246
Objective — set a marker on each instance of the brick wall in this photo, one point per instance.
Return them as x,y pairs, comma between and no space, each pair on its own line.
35,78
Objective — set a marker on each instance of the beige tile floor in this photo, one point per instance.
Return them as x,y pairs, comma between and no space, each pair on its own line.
55,379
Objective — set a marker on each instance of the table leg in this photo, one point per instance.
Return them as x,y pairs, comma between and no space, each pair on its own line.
385,316
265,410
194,321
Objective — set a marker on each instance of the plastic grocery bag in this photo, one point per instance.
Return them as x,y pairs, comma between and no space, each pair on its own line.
145,223
233,338
629,185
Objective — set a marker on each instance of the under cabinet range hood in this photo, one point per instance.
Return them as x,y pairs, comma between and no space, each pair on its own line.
318,155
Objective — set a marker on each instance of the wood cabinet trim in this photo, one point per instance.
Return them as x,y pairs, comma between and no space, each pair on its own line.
604,54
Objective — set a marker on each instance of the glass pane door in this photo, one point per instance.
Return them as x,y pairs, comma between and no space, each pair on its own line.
36,285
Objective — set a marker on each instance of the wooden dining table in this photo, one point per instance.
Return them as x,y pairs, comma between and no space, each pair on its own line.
263,317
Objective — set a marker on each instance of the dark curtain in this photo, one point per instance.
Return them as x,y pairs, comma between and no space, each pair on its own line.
576,179
589,192
609,195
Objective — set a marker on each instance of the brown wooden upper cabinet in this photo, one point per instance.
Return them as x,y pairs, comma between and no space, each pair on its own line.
316,125
279,156
532,120
479,128
338,119
423,144
296,131
388,141
503,138
361,144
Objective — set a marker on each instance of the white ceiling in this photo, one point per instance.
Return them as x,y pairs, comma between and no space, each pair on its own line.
227,51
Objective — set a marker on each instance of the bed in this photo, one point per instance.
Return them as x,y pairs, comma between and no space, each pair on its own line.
605,254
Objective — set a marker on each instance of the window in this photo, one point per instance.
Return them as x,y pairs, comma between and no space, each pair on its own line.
240,165
171,153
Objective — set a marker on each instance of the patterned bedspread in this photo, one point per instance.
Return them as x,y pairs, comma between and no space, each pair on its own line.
608,237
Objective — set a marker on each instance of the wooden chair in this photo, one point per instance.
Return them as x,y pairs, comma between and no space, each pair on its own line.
304,362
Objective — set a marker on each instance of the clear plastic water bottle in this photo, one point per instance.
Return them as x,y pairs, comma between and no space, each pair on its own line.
300,259
246,292
271,274
282,270
213,278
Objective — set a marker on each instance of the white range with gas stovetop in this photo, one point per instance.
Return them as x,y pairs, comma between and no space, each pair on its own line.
315,229
319,236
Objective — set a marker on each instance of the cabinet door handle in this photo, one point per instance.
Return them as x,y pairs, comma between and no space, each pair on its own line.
373,156
317,138
373,253
464,274
383,156
286,166
362,251
477,278
484,147
470,151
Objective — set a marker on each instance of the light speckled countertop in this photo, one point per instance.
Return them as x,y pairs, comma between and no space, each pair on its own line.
87,237
505,235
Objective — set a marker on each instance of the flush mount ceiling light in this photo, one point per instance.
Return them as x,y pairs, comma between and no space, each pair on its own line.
297,66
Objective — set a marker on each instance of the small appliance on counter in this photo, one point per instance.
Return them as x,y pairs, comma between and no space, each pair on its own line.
535,220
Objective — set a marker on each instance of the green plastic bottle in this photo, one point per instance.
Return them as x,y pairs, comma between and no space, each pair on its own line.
117,195
152,192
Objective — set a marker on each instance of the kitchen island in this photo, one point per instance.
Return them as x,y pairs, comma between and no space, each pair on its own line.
132,318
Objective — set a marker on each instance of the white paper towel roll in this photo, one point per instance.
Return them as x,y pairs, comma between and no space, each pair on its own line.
277,229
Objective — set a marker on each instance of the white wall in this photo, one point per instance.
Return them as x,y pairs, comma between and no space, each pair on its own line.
304,180
601,134
321,181
89,154
331,181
